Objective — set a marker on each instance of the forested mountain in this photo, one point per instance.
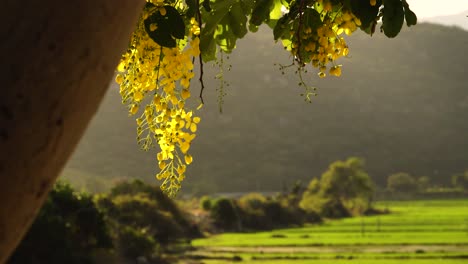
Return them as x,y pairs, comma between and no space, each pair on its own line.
402,104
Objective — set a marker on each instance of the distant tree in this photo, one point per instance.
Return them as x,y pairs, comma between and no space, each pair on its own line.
423,183
402,182
460,180
345,182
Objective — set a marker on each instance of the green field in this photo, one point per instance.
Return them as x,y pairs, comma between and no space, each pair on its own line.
414,232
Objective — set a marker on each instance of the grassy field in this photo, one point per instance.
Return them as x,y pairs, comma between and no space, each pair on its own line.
419,232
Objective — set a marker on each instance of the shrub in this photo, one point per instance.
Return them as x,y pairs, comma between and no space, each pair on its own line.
205,203
334,208
460,180
224,214
402,182
68,229
134,243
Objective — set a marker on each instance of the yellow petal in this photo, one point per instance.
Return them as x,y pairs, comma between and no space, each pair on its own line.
184,147
188,159
134,109
162,10
119,78
162,165
185,94
193,127
137,96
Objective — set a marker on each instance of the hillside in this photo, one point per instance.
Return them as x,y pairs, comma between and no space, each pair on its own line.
460,20
402,104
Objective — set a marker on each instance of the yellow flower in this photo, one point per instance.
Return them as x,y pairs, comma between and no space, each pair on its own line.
138,96
193,127
162,11
185,93
188,159
134,109
184,147
119,78
153,27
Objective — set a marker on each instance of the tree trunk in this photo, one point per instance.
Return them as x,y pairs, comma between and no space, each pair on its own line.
57,58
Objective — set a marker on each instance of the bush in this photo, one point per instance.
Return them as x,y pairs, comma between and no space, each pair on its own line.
252,201
257,212
402,182
460,180
333,208
205,203
135,243
68,229
139,206
224,214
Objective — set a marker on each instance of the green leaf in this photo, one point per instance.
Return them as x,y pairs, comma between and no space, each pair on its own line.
410,16
275,12
225,37
393,17
365,12
261,11
206,4
192,8
226,23
253,28
208,47
247,6
238,20
312,18
281,27
169,27
219,10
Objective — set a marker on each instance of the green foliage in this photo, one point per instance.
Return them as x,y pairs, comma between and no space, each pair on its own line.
206,203
460,180
68,229
366,12
134,243
168,27
147,217
254,211
225,23
345,182
410,16
402,182
393,17
224,213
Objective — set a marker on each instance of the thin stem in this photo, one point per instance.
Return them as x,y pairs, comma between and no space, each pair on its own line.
199,19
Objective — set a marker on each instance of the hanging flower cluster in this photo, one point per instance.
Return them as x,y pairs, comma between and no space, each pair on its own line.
155,84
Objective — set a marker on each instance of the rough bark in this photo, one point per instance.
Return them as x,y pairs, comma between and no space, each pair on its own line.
57,58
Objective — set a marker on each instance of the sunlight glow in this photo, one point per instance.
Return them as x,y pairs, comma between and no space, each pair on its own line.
431,8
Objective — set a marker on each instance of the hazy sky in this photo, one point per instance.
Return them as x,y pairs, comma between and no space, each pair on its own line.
431,8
